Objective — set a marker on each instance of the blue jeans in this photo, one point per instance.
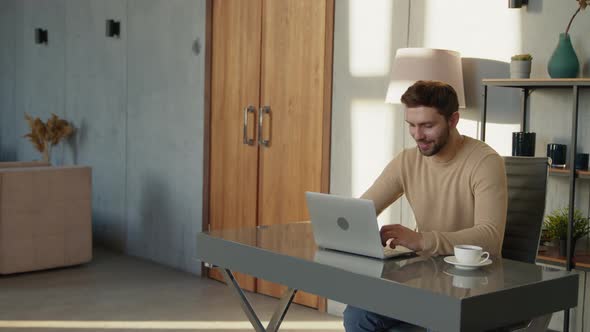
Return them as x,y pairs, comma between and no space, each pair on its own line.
359,320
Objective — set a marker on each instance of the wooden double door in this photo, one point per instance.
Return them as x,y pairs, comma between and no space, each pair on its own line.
271,86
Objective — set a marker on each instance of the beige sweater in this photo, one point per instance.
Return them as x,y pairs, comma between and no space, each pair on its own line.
462,201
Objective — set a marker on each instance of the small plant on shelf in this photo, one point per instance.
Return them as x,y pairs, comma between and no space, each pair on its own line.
520,66
522,57
555,225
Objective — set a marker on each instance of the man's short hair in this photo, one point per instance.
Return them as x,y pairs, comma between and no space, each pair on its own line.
434,94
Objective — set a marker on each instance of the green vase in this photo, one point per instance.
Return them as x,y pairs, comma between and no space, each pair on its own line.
564,62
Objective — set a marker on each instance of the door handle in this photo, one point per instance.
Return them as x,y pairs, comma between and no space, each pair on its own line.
264,110
247,110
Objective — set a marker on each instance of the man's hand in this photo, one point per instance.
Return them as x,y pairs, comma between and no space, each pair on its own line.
401,235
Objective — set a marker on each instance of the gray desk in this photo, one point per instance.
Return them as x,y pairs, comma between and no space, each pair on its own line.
420,290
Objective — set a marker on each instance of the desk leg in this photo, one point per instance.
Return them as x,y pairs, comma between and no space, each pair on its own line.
281,311
278,315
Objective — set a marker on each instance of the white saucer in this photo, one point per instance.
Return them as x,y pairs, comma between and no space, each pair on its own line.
465,266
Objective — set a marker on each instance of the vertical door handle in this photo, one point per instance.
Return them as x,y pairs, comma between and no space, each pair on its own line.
262,141
247,110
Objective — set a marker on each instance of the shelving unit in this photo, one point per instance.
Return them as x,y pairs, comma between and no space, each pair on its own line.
566,172
581,259
528,85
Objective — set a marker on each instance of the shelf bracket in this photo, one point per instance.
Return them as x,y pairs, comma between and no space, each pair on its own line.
525,101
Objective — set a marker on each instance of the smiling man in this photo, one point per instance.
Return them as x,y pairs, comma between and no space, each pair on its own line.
456,186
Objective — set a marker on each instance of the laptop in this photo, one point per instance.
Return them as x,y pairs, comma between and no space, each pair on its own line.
348,224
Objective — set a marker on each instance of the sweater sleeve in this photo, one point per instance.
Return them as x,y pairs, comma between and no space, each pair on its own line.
489,188
388,187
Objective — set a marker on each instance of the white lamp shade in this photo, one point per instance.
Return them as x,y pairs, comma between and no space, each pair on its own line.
414,64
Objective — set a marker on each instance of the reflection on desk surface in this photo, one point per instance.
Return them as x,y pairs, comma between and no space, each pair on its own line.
429,273
433,274
369,266
420,272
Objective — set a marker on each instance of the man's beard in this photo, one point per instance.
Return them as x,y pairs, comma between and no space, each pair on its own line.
437,146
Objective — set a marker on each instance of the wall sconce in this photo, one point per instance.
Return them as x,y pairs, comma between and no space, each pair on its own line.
41,36
113,29
517,3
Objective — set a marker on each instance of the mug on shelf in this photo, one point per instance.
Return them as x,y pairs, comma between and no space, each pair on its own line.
557,154
582,161
523,144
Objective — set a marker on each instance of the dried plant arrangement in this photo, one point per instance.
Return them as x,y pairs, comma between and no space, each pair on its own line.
44,135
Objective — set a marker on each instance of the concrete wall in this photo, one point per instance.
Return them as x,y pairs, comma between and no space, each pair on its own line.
40,70
96,102
8,21
165,129
136,102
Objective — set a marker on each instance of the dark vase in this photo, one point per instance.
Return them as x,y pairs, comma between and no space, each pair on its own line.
563,247
523,144
564,61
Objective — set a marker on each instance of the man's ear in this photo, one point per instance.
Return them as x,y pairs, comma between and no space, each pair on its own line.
454,119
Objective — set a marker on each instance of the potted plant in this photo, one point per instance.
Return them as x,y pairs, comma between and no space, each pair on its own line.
44,135
556,227
520,66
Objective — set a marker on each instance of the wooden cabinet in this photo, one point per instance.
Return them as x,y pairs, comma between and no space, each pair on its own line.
269,134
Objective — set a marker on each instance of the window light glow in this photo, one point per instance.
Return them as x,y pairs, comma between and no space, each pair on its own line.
475,35
370,37
372,140
373,145
499,137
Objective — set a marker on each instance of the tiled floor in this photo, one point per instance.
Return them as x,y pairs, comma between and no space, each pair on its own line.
117,293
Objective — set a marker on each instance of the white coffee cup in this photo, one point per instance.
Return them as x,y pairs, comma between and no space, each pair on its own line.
468,254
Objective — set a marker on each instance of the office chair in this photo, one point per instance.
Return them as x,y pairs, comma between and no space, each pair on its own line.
527,186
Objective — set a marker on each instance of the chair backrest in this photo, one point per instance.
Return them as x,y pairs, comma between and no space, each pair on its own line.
527,184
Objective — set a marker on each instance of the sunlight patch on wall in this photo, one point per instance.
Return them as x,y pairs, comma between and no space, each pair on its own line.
373,144
370,37
478,29
499,137
372,136
468,128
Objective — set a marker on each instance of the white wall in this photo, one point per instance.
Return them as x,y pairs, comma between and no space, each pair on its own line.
367,133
